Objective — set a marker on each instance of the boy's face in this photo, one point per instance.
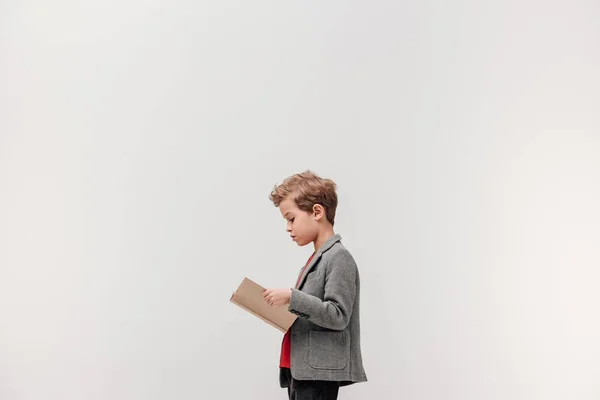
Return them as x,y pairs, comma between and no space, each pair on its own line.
301,225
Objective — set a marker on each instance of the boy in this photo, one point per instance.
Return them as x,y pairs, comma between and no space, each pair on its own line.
321,350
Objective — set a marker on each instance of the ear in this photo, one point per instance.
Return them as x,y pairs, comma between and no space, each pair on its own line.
318,211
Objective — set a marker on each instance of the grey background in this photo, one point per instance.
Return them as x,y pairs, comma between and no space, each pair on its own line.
139,142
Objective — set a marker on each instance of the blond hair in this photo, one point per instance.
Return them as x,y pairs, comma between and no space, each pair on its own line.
308,189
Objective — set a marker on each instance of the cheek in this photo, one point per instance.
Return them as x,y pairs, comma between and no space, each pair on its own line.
305,229
302,226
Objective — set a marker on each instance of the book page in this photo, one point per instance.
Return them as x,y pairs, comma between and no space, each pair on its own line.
249,296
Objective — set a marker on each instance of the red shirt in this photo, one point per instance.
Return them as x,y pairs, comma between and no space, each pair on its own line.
286,348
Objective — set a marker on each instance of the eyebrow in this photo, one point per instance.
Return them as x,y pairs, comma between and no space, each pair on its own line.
289,212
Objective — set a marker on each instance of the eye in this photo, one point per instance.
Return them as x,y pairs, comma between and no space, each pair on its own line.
292,219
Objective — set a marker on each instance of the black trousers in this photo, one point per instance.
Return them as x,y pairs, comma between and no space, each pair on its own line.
310,390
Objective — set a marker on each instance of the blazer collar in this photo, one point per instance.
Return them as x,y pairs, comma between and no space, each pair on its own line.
326,246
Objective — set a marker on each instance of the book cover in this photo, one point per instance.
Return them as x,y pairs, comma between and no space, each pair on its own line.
249,296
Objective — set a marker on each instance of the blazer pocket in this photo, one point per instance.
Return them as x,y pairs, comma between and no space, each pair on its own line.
327,350
312,276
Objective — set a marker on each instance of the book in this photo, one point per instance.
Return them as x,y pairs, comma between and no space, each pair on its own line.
249,296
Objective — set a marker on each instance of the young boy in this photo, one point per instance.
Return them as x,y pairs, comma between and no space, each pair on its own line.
321,350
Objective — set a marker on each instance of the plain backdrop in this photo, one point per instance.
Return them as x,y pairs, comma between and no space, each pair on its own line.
139,141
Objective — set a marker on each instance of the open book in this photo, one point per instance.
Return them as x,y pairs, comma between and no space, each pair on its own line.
249,296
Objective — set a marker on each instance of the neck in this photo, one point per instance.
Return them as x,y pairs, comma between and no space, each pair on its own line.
322,237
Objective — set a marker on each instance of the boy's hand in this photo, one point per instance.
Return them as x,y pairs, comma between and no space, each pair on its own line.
277,297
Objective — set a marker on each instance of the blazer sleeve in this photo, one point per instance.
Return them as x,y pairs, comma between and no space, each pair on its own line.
335,310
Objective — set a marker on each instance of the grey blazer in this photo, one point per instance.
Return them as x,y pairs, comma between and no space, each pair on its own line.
325,339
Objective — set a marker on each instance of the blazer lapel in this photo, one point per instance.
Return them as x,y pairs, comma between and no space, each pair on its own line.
326,246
